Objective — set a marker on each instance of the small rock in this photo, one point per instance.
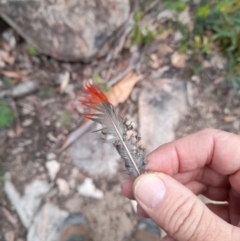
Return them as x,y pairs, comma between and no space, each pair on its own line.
53,168
196,79
9,37
177,37
51,156
63,186
88,189
165,16
218,61
27,122
206,64
51,137
23,89
184,17
178,60
17,150
227,111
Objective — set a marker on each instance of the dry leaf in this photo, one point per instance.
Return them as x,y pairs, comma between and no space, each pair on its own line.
218,80
229,118
121,91
19,129
178,60
11,74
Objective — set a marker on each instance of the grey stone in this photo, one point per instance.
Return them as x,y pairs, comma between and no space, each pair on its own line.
161,107
25,88
93,156
47,224
67,30
28,204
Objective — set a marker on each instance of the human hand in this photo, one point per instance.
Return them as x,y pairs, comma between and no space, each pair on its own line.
208,163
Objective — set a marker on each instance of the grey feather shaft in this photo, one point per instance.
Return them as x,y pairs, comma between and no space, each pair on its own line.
125,146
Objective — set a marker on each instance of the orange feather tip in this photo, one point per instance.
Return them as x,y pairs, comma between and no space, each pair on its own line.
94,94
93,97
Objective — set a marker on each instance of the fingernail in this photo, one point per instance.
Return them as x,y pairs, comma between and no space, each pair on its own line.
150,190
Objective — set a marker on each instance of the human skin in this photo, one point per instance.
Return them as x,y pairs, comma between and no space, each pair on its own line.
208,163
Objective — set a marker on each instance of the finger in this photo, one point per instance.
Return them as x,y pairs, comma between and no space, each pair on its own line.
167,238
127,189
221,210
196,187
204,175
141,212
210,147
235,181
178,211
216,194
213,193
234,211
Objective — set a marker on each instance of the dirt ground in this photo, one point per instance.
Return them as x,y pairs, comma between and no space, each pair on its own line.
46,118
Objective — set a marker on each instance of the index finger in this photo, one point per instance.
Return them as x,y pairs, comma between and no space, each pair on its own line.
214,148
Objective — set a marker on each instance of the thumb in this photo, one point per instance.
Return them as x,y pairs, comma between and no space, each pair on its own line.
178,211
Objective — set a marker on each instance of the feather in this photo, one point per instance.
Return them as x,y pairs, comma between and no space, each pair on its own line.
114,129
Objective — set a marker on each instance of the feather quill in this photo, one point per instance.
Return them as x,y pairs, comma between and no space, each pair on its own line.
114,129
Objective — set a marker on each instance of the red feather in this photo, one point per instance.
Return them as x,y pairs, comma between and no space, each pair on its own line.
93,98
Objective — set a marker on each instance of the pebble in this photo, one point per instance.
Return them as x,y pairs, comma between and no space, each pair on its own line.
88,189
51,156
24,88
53,168
63,186
184,17
177,37
178,60
11,134
165,16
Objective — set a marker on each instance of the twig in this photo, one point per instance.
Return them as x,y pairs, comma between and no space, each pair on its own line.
121,75
76,134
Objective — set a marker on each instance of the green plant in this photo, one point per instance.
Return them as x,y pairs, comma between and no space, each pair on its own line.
66,119
141,35
32,50
222,19
7,115
177,5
